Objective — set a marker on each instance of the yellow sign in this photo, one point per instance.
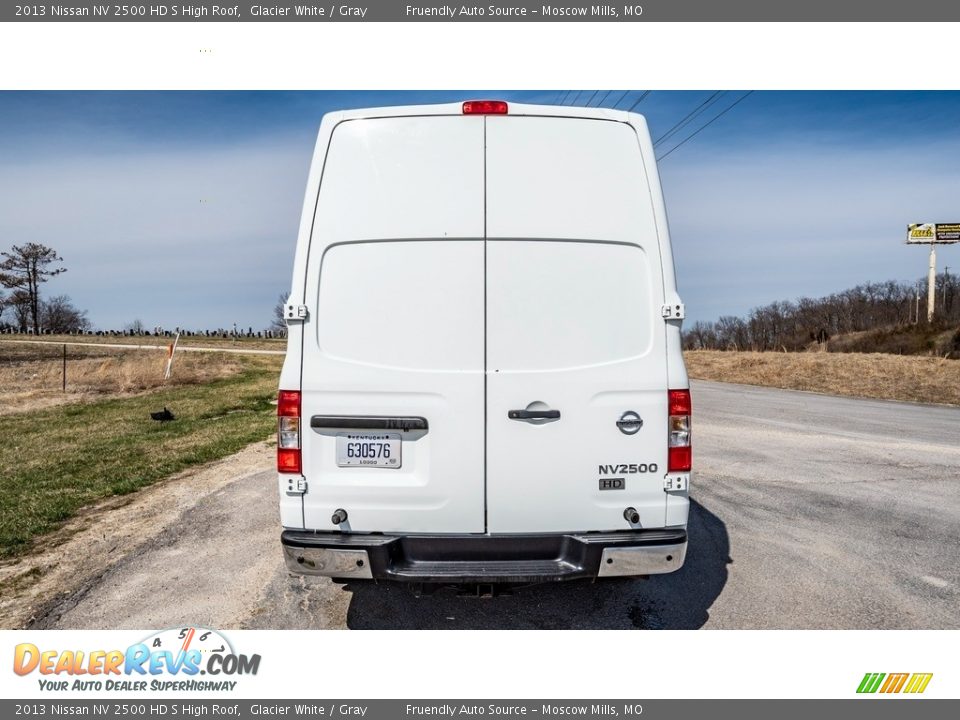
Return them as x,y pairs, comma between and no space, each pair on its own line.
921,233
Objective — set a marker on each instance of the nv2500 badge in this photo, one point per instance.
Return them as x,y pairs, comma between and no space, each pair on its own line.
628,468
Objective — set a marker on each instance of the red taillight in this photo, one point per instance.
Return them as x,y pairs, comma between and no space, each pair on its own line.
679,459
288,431
485,107
288,460
679,402
288,403
679,446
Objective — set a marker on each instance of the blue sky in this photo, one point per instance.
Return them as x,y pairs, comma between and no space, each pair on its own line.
788,194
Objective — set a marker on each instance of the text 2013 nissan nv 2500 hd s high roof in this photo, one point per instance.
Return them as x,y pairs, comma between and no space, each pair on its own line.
483,381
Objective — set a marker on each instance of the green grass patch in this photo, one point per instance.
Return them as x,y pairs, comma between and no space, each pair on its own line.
57,460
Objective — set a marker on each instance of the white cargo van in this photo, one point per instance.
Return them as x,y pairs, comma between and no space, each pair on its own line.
483,382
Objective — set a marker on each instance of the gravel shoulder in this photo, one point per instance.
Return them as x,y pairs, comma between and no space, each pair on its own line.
69,568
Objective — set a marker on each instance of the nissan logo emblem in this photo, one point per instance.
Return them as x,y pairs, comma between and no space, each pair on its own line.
630,423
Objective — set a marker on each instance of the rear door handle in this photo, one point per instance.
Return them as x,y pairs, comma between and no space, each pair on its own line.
533,414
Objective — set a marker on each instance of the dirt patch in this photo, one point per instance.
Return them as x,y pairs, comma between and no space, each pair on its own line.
86,547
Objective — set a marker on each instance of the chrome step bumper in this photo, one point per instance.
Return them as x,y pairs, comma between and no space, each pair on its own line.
484,558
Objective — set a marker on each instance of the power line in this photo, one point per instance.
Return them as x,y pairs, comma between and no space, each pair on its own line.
576,97
595,93
556,100
688,118
603,99
705,126
619,100
640,99
565,96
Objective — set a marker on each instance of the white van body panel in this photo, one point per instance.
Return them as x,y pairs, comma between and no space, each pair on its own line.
545,477
573,271
395,275
455,268
567,178
402,177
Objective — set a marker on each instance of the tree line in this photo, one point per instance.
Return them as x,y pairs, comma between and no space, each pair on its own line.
791,326
23,269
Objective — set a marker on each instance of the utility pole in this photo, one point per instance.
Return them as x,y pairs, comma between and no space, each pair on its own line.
943,292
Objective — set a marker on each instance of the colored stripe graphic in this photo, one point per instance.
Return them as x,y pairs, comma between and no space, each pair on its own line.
918,682
870,682
894,682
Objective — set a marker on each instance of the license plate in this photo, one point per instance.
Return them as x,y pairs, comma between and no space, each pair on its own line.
373,449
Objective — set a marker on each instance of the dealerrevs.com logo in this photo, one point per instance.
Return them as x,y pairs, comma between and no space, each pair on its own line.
180,659
910,683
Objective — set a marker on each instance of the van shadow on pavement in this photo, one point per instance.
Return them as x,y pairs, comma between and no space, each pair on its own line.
680,600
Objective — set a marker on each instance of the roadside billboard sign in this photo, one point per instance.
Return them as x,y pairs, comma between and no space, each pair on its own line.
939,233
948,232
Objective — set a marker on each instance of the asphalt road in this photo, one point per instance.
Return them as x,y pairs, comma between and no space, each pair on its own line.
809,512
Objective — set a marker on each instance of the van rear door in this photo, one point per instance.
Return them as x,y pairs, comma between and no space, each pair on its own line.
392,379
575,339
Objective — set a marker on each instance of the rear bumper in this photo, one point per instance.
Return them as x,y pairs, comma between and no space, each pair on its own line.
484,558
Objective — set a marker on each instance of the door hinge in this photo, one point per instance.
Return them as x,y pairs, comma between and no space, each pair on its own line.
295,313
676,483
296,485
673,312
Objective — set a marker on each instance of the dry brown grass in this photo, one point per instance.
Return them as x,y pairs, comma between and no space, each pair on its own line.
31,376
239,343
874,375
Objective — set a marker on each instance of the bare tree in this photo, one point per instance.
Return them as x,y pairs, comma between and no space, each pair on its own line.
879,307
19,302
59,315
24,268
279,323
732,333
702,336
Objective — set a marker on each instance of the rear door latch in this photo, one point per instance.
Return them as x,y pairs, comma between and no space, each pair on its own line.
295,313
677,311
296,485
676,483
